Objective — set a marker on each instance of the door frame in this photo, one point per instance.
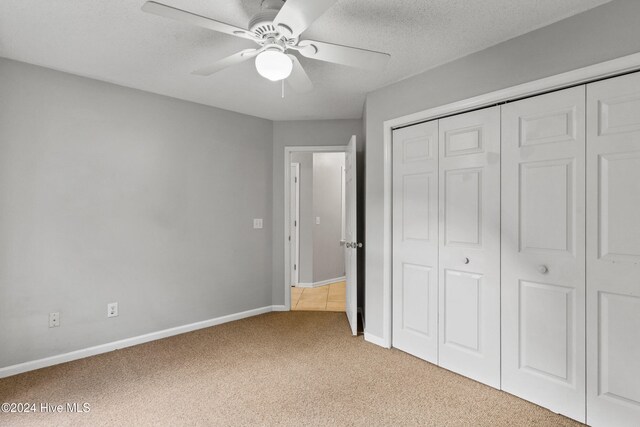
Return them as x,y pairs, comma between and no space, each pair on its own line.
295,236
343,189
607,69
288,150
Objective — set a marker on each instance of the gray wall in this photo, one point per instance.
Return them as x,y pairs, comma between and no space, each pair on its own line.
601,34
301,133
306,215
112,194
321,256
328,254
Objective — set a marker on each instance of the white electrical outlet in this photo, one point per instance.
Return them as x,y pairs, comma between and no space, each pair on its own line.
112,309
54,319
257,223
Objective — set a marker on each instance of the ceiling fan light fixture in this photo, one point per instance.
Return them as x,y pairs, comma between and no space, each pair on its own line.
274,65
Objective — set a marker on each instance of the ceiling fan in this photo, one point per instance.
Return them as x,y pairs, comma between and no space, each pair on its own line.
276,30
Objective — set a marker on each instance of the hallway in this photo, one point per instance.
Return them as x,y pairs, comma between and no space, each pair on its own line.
330,297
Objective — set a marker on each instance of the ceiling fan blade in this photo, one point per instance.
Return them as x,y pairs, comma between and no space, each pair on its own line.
345,55
234,59
193,19
299,80
295,16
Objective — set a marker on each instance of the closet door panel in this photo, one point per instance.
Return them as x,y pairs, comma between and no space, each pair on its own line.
469,289
613,252
415,240
543,244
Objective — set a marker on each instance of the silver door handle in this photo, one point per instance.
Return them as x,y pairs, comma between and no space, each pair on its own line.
543,269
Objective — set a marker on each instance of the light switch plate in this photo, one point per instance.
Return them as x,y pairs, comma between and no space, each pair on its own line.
257,223
54,319
112,309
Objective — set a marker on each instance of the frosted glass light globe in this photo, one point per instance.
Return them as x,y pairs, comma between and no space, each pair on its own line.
274,65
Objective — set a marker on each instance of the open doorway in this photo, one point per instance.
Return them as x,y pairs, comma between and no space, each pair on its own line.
317,231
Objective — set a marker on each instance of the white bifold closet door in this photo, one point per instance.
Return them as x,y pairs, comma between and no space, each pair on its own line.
415,240
613,252
543,250
469,250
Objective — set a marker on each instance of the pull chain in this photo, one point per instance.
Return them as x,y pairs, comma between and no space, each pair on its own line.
282,88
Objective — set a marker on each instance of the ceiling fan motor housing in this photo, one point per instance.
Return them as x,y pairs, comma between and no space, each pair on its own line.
262,22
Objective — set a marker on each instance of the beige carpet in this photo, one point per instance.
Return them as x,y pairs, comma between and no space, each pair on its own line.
295,368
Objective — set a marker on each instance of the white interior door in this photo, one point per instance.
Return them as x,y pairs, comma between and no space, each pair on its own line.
351,250
415,240
543,244
469,257
294,223
613,252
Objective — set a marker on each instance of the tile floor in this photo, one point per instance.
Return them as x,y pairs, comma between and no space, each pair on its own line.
323,298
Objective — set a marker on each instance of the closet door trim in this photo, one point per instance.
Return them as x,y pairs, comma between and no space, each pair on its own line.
615,67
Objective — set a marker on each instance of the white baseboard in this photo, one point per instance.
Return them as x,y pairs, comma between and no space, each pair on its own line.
320,283
128,342
303,285
279,308
374,339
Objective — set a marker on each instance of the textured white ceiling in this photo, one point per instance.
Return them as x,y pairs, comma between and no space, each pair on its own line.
114,41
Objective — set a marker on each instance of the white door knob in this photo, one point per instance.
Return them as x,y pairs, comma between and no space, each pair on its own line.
466,260
543,269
